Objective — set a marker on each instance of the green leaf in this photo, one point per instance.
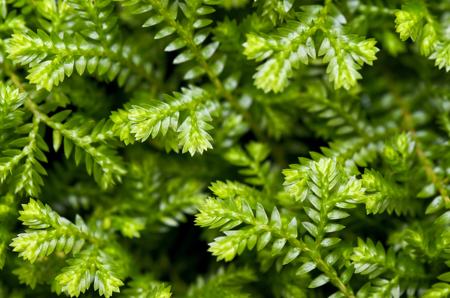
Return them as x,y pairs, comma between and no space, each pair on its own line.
319,281
305,268
291,255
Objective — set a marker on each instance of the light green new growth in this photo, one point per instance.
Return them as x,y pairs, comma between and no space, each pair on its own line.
414,21
294,45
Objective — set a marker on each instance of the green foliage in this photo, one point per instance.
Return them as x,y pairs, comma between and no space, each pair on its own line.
95,259
185,114
294,44
48,233
252,161
224,283
23,148
414,21
11,101
186,24
53,58
145,286
224,148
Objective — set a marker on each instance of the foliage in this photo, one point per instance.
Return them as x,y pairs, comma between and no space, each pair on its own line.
224,148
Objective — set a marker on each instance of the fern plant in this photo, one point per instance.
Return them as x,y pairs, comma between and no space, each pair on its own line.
218,148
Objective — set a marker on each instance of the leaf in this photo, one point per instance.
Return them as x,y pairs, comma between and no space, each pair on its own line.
261,215
305,268
264,240
319,281
291,255
326,242
275,219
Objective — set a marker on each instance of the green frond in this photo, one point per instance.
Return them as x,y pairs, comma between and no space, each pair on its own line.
424,240
340,115
52,58
121,126
149,186
359,151
186,24
48,233
12,23
38,273
414,21
188,114
146,143
86,140
225,283
442,55
93,261
371,259
283,54
97,19
381,288
246,225
28,274
22,156
86,268
328,189
385,195
438,290
276,11
253,162
147,287
232,189
52,16
227,214
11,101
293,46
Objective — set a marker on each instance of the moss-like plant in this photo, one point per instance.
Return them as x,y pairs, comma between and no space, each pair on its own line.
224,148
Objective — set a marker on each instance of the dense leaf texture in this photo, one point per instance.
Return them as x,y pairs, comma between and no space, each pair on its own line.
224,148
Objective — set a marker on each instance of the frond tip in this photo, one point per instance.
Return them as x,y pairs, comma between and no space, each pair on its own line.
293,45
188,115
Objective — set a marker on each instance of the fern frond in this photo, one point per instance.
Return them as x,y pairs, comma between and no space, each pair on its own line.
387,195
95,260
188,114
414,21
147,287
293,45
340,114
97,19
52,58
281,230
371,259
257,170
320,184
225,283
150,186
189,21
48,233
89,266
11,99
22,155
86,140
424,240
